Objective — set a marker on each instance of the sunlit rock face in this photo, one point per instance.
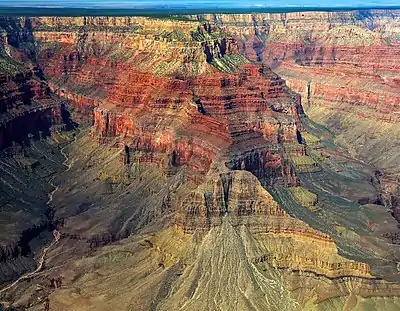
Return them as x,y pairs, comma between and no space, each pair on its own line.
345,66
345,60
186,93
202,182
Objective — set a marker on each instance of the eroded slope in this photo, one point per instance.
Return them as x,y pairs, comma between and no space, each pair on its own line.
201,184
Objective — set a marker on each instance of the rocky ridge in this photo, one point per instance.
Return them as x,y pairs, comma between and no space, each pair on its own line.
251,118
200,136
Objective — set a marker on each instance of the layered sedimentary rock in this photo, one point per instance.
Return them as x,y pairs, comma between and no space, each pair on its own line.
29,112
239,197
345,60
180,95
27,108
191,153
27,105
345,66
208,89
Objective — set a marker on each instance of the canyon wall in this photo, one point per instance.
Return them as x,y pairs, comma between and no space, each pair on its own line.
180,95
136,71
197,125
29,112
345,65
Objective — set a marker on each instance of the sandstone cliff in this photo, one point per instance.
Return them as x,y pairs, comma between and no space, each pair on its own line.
192,150
336,59
180,96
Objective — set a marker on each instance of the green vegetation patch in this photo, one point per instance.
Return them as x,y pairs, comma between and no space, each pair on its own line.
310,139
202,35
303,160
305,197
10,67
229,63
180,18
86,28
317,155
176,35
347,234
305,164
112,258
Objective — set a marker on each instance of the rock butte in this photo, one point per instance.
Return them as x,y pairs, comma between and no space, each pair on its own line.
178,193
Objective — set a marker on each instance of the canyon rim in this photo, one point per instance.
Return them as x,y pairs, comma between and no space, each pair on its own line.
200,161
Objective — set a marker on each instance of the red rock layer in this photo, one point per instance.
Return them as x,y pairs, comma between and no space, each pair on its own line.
369,103
190,118
347,57
166,102
250,113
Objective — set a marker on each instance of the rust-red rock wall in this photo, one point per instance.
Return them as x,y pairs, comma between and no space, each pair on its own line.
345,66
350,57
189,98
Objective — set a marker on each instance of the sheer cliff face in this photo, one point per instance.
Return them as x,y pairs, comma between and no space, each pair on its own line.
179,90
202,155
345,65
27,105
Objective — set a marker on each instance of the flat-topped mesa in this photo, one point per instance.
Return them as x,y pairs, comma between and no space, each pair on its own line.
315,16
239,198
313,23
320,37
112,22
348,41
150,43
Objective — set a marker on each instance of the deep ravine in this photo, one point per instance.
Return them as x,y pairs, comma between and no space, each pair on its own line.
56,233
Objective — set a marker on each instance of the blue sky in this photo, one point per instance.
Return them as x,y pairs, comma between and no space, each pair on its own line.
196,3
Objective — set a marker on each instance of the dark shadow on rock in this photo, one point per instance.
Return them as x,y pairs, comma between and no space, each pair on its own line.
66,118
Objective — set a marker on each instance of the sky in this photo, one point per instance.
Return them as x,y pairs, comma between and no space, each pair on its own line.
196,3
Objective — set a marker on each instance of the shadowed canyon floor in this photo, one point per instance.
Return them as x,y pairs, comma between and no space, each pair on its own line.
205,162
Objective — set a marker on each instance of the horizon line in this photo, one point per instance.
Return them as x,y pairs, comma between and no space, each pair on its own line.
76,11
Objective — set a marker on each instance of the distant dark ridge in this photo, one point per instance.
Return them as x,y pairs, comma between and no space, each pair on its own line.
165,12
